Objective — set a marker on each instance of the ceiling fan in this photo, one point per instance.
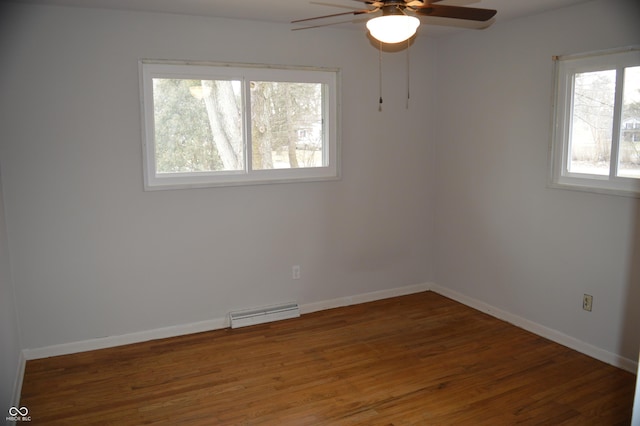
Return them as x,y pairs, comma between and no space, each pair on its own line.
395,24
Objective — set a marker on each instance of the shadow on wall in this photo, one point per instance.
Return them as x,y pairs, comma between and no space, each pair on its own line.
631,331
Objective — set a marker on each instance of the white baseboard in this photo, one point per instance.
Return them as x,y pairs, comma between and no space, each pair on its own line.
17,384
219,323
540,330
125,339
363,298
213,324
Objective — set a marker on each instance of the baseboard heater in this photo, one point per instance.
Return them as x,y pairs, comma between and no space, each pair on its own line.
263,315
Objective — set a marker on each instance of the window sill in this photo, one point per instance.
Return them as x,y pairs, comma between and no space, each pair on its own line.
599,186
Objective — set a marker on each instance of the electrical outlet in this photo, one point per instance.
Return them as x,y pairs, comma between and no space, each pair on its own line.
587,302
295,272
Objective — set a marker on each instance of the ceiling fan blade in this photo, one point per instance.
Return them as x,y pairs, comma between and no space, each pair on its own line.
324,25
355,12
374,3
320,3
455,12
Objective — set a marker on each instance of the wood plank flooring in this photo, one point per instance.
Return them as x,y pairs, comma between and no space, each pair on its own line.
420,359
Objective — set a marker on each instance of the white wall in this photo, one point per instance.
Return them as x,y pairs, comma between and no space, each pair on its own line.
465,205
10,358
94,256
502,237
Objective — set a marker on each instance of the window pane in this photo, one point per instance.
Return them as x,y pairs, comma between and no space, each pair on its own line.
629,158
197,125
286,125
592,122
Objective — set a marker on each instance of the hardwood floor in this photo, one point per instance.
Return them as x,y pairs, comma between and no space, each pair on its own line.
420,359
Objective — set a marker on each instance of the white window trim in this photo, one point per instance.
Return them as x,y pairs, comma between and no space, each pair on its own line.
330,77
559,175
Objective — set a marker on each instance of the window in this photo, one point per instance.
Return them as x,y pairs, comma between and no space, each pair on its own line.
595,144
219,124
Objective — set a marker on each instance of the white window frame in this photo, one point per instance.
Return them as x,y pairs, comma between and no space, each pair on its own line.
565,69
329,77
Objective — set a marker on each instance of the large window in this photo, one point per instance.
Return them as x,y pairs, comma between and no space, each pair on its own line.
221,124
596,137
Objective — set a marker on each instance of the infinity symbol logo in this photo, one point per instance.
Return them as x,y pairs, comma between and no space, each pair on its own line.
22,411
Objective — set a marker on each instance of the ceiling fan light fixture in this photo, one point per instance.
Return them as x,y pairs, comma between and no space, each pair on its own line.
393,28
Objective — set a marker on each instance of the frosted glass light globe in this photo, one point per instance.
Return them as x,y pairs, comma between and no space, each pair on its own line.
393,28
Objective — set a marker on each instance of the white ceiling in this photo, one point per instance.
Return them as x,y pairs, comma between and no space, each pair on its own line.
284,11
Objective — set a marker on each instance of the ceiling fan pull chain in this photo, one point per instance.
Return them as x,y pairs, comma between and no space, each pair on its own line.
408,75
380,76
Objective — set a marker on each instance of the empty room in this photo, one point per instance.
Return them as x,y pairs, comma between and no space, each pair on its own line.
274,212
